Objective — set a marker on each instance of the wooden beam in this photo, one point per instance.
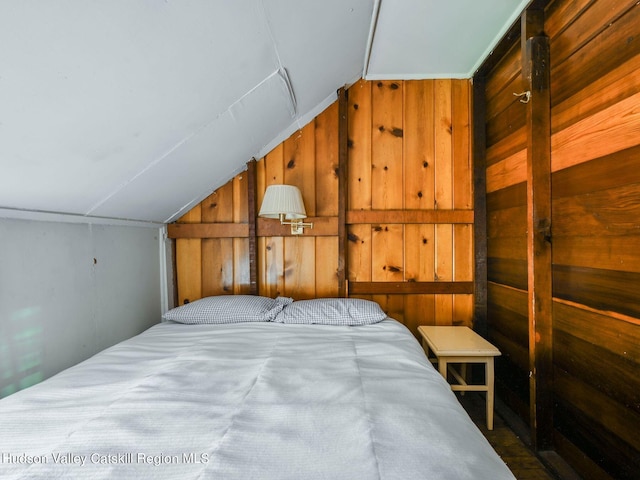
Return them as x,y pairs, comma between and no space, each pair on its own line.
536,76
322,227
410,216
343,165
480,205
207,230
409,288
252,216
265,227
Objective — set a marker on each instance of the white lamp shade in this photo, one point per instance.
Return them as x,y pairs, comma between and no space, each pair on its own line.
282,199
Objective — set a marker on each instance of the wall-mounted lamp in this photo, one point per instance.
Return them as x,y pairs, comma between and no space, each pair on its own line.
284,202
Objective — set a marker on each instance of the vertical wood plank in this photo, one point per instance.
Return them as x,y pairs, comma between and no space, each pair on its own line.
359,128
443,145
326,281
444,272
387,263
359,179
189,261
418,144
272,248
419,246
461,125
299,267
343,192
300,165
217,253
359,253
300,252
536,71
443,195
419,310
386,146
241,269
327,161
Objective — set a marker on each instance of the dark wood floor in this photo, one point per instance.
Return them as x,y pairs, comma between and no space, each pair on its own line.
513,449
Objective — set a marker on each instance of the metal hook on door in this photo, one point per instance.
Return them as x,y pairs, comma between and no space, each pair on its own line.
524,96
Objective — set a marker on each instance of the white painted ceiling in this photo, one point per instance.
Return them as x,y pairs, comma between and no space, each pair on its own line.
138,109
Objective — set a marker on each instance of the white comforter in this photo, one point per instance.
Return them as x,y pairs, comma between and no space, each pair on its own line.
247,401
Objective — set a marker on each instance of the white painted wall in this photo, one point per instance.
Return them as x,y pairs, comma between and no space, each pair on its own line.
69,290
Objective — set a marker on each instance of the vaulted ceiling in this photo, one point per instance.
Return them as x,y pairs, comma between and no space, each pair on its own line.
138,109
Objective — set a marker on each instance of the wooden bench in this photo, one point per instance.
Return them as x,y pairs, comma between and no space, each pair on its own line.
461,345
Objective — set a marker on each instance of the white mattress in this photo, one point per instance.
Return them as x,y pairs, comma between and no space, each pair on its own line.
247,401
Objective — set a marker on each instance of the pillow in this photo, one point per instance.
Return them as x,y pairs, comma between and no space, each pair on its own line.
227,309
332,311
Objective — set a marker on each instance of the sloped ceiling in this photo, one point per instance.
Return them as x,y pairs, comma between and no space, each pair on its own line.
138,109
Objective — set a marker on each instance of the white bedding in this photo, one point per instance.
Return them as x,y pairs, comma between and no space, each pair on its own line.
247,401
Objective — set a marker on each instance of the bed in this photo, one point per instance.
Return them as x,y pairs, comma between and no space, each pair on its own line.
311,396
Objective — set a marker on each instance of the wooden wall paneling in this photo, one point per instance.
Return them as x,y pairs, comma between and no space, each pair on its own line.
582,24
507,147
443,195
507,172
387,145
499,78
559,15
606,252
443,145
510,317
359,128
343,190
444,272
300,253
217,253
189,261
272,248
463,306
377,245
602,456
241,269
502,149
608,290
510,120
300,165
419,253
300,267
463,260
536,70
604,92
387,258
326,281
617,43
479,155
419,310
499,91
326,162
359,253
252,216
600,421
392,305
418,145
611,130
462,168
359,179
619,334
595,365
